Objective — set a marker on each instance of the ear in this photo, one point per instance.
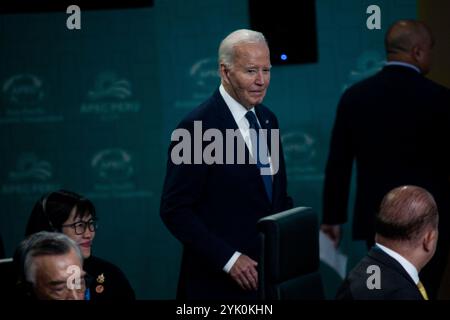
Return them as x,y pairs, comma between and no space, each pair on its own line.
430,239
224,70
417,53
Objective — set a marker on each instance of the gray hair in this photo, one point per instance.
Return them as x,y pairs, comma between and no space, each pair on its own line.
227,46
42,244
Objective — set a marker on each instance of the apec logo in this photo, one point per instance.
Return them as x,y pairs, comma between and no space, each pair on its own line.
30,176
23,90
108,85
110,97
30,167
23,96
367,64
204,73
113,165
300,147
203,76
301,150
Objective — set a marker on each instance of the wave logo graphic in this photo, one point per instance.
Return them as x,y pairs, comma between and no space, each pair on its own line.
367,64
205,73
299,147
23,89
113,165
30,167
303,155
108,85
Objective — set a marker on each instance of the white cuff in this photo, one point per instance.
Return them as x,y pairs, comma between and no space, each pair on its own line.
231,262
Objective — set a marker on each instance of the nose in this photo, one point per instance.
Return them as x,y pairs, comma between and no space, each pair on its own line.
260,78
88,234
75,295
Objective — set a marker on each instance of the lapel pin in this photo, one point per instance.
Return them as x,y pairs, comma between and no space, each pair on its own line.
99,288
101,278
267,121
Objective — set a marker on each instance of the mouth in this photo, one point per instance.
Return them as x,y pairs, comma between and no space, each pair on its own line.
256,93
85,244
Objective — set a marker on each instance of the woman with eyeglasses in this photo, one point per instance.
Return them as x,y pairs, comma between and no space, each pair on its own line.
67,212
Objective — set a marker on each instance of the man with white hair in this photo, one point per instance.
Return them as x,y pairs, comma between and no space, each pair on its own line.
53,266
213,208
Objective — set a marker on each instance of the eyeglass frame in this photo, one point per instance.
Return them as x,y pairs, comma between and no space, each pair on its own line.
86,225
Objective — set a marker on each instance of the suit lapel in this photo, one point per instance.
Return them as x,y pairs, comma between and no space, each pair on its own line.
227,121
265,123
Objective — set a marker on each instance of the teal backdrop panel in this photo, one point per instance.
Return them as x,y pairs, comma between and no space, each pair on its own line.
92,111
81,110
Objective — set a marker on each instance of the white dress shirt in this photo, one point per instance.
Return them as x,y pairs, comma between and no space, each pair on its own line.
238,111
408,266
403,64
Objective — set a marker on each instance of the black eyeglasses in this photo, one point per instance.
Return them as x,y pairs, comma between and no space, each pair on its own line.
80,226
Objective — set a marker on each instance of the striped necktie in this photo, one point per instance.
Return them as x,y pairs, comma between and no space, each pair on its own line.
422,290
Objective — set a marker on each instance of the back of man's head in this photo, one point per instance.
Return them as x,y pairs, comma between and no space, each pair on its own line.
410,41
408,221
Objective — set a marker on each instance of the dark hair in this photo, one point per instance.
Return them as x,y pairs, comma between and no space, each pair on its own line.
52,210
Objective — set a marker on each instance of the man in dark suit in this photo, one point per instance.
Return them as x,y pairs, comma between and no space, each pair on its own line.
395,124
406,237
212,207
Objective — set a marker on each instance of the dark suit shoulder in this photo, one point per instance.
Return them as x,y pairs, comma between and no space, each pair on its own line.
394,283
395,77
97,264
434,86
205,112
214,110
266,110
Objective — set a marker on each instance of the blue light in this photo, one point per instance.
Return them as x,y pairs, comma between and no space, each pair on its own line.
283,57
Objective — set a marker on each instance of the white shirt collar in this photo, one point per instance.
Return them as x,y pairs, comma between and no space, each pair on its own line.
408,266
237,110
403,64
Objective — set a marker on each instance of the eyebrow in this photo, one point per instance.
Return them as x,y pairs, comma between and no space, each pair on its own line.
57,282
84,221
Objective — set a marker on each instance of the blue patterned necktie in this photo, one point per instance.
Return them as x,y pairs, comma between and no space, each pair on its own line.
262,160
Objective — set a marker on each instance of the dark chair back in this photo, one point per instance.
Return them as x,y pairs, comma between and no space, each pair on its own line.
7,278
289,261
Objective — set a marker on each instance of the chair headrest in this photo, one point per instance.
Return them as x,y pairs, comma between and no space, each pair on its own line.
291,246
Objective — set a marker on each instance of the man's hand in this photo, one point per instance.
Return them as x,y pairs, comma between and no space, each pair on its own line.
244,273
333,231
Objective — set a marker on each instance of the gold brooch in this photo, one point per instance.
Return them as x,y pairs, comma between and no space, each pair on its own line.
101,278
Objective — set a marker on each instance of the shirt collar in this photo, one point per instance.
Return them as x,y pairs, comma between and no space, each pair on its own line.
408,266
237,110
403,64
